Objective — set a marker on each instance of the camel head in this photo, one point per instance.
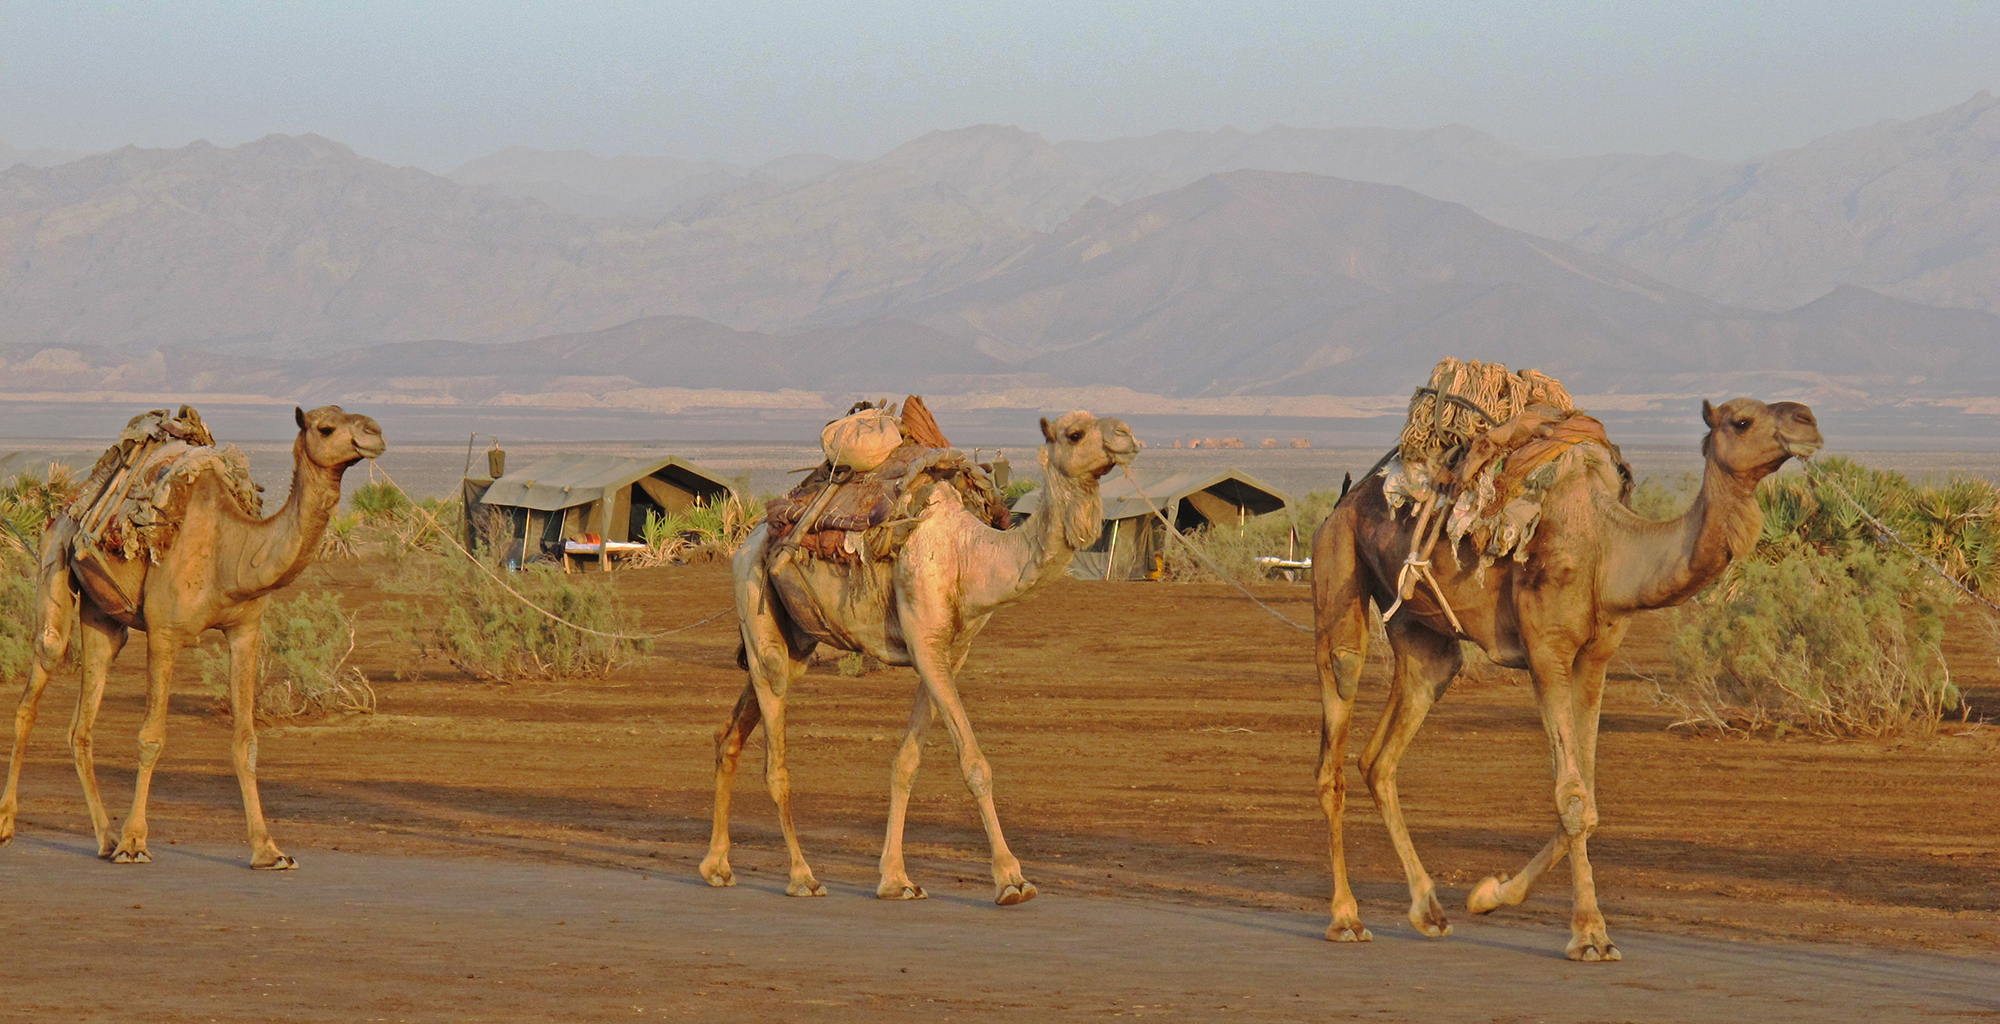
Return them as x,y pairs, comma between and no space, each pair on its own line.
335,439
1752,439
1082,447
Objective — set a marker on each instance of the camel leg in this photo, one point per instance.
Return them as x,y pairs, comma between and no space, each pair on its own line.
55,607
1502,890
1340,607
1589,938
933,664
896,884
101,641
246,642
728,748
162,646
771,677
1568,692
1425,663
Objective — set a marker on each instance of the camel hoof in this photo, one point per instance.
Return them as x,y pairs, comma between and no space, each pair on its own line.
1349,933
1428,918
1485,897
907,892
1589,953
715,872
131,857
1019,892
280,863
807,887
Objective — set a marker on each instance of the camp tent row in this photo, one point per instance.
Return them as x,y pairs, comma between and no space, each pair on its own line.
1134,541
564,497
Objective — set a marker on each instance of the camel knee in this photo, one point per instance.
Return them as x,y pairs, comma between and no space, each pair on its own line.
1347,666
979,779
1576,808
149,752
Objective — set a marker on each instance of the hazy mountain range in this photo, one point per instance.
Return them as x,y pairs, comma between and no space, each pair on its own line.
1284,262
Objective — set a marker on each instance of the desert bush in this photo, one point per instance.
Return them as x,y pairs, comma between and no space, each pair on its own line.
1824,626
342,537
304,666
1662,498
721,526
29,502
1015,488
1833,643
17,612
378,500
459,614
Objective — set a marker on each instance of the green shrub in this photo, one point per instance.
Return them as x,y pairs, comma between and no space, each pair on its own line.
1834,643
18,621
1665,498
304,670
464,617
1825,626
28,502
342,537
378,500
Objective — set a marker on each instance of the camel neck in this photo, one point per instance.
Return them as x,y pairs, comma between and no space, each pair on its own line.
1674,560
1069,520
287,541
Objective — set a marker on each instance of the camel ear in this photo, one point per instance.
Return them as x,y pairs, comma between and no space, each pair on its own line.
1047,434
1708,415
299,417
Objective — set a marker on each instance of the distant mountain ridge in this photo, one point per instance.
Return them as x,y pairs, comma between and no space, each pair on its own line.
989,254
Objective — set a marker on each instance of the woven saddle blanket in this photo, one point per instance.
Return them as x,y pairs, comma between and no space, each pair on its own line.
844,516
1488,446
136,497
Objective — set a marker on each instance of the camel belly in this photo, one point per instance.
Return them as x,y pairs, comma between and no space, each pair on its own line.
850,607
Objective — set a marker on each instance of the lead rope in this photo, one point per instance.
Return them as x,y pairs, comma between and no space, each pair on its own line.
1141,492
374,467
1884,533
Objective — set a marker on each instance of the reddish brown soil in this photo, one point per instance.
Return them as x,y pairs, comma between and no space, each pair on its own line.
1147,740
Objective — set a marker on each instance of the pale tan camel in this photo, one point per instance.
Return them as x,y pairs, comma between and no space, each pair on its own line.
922,610
221,568
1561,615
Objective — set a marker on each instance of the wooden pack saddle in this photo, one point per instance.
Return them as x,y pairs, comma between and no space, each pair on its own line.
846,516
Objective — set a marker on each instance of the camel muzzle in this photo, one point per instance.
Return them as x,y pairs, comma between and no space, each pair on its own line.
1118,440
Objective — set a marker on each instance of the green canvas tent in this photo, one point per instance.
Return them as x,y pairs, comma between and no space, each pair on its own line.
563,497
1133,539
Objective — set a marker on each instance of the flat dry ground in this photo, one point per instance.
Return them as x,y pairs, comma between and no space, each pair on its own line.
1153,749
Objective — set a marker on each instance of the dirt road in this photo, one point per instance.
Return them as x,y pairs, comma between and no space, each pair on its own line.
1152,747
358,937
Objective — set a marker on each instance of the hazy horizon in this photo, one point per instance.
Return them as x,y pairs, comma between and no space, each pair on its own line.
438,86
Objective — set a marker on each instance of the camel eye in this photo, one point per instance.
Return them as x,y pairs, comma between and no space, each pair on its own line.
1075,436
1742,424
326,431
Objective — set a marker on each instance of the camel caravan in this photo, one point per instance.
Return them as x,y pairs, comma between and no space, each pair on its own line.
1501,518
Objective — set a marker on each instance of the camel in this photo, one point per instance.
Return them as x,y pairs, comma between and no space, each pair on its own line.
921,609
1561,615
219,572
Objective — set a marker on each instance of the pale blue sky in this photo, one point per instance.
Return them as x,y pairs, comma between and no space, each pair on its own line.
434,84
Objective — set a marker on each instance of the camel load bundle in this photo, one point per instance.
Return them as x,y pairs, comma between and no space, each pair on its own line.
1478,455
136,495
881,467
